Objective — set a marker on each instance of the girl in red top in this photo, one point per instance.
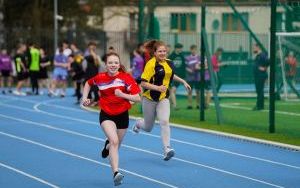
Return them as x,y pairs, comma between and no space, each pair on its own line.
117,88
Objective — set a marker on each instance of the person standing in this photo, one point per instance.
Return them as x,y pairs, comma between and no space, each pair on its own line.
34,68
60,74
43,74
21,69
179,63
278,75
117,88
156,78
216,63
193,75
207,85
291,71
78,58
65,47
91,66
76,73
138,63
5,71
260,67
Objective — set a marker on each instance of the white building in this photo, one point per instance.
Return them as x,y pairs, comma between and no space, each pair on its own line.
183,24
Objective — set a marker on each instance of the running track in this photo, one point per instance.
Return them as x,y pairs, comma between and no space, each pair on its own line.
51,142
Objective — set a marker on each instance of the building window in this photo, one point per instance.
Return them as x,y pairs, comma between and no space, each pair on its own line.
183,22
231,22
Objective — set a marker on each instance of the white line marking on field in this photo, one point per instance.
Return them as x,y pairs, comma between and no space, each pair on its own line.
83,158
246,108
153,153
174,140
28,175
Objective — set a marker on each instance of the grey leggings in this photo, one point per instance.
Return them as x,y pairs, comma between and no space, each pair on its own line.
161,110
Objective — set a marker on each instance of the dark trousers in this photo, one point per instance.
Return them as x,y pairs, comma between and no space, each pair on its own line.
259,87
290,82
78,90
94,90
219,82
34,75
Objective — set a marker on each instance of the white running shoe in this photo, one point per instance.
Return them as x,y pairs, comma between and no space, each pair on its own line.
169,153
51,93
19,93
15,92
118,178
136,127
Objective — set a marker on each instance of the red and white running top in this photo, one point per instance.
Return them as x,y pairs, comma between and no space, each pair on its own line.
109,102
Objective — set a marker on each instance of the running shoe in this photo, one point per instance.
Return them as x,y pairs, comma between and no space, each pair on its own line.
51,93
118,178
15,92
169,153
105,152
136,128
19,93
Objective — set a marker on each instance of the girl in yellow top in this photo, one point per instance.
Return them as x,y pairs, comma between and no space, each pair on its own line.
156,78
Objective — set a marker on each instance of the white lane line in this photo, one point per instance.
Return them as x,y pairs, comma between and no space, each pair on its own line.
20,99
50,114
238,154
214,149
65,108
28,175
172,139
35,107
49,100
138,149
246,108
83,158
7,100
255,140
223,105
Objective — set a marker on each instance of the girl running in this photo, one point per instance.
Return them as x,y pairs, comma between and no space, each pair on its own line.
117,88
156,79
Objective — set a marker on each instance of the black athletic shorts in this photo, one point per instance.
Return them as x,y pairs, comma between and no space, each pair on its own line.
43,74
5,73
22,76
121,120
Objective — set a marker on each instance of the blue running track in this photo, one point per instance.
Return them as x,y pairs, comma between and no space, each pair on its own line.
51,142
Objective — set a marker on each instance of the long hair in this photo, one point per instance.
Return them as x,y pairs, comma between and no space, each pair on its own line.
152,45
122,67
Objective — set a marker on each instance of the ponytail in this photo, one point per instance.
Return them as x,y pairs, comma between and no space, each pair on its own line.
122,68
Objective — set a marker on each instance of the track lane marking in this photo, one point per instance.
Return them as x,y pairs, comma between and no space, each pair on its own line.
150,152
82,158
28,175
